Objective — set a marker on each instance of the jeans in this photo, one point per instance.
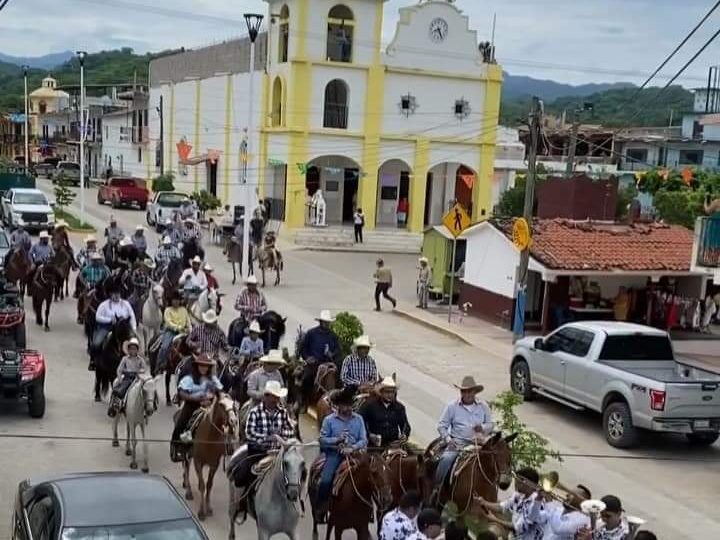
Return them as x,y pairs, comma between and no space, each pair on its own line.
243,474
382,289
333,459
423,291
447,459
165,343
358,233
189,407
101,332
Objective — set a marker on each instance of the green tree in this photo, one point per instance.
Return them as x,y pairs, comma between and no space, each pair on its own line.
679,207
625,197
64,196
164,182
512,201
347,328
205,201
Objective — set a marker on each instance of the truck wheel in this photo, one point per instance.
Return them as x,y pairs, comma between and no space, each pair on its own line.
702,439
617,423
36,400
143,206
114,203
99,198
149,221
520,380
20,336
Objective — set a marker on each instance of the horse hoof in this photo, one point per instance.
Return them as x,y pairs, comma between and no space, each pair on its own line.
145,470
168,402
128,452
115,444
98,399
133,465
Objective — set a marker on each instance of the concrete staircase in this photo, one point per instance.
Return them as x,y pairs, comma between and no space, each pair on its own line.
343,239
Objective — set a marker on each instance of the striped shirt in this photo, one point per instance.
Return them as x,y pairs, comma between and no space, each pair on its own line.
357,370
93,274
209,338
251,305
165,254
263,423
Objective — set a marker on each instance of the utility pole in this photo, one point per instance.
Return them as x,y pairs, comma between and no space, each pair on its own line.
570,165
81,57
27,123
162,136
536,113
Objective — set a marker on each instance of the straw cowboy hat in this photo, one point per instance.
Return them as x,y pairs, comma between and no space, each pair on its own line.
210,317
131,341
423,260
95,256
196,260
126,241
251,280
203,360
90,238
168,221
362,341
166,241
61,223
149,263
274,356
388,382
254,327
188,220
325,316
43,234
274,388
207,267
468,383
139,228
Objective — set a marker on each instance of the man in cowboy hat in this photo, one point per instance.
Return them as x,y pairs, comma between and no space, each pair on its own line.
139,240
166,252
251,345
208,338
359,368
83,256
114,233
20,239
251,302
60,236
41,252
463,421
109,312
211,279
187,209
424,282
190,232
193,280
131,365
269,370
173,230
342,433
140,277
320,344
268,425
92,273
386,419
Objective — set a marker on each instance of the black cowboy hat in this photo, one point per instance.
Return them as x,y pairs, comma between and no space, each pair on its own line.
175,295
346,396
112,288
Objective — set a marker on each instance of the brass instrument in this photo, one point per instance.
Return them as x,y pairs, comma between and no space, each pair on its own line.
550,484
634,524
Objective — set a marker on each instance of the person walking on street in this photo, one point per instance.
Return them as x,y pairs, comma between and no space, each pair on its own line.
424,282
359,223
383,283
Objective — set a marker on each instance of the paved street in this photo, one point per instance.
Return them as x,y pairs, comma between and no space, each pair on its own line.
673,492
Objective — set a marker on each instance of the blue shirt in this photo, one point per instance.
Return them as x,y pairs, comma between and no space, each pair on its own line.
317,342
334,429
459,420
41,253
253,349
207,384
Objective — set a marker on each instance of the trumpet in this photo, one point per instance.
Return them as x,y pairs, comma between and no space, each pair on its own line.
551,485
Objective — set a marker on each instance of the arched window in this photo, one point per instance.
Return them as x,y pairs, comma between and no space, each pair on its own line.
336,105
284,37
277,103
341,24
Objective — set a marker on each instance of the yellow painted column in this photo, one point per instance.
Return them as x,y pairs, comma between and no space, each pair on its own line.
418,185
262,135
198,85
482,190
228,133
298,122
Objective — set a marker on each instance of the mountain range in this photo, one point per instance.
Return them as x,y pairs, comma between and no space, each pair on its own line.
47,61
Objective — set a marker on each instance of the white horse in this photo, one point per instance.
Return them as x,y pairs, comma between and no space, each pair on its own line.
140,404
277,505
208,299
152,316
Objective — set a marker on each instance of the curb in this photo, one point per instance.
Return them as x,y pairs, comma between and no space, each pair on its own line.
432,326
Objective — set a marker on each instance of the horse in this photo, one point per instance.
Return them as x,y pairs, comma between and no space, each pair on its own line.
169,282
152,316
326,380
64,261
479,471
218,423
140,404
363,485
405,473
107,358
111,252
277,500
269,258
208,299
41,289
272,329
18,269
191,249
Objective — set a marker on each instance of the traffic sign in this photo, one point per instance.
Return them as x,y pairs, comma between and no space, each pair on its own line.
456,220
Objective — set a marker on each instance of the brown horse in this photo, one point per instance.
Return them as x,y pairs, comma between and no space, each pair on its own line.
365,486
270,258
64,261
18,269
218,423
326,380
405,473
41,289
479,471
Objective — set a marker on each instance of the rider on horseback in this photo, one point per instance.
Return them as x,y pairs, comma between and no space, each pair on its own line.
342,433
212,281
60,236
386,418
83,256
251,302
139,240
131,366
40,253
93,273
269,371
359,368
194,390
319,345
114,233
110,312
166,252
193,280
173,231
19,240
190,232
176,320
252,346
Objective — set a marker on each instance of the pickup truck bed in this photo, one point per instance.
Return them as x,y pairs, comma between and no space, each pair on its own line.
664,371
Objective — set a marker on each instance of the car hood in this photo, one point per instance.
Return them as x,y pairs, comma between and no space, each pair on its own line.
527,342
33,208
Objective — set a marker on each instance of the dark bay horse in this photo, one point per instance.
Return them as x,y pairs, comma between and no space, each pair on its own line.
41,289
179,350
107,357
272,327
191,249
18,268
64,261
170,279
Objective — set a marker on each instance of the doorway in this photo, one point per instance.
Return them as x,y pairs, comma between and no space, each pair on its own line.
350,189
428,198
212,169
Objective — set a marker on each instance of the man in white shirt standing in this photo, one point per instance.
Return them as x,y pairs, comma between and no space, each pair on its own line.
193,280
400,523
110,312
563,520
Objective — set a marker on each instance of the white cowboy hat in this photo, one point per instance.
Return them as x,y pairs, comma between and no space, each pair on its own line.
207,267
274,356
196,259
166,241
90,238
168,221
251,280
60,223
131,341
254,327
274,388
468,383
149,263
325,316
94,256
113,219
139,228
126,241
423,260
43,234
210,317
362,341
188,220
388,382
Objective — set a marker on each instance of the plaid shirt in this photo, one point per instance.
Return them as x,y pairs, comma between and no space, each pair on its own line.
93,274
357,371
189,234
209,338
262,424
250,305
165,254
140,280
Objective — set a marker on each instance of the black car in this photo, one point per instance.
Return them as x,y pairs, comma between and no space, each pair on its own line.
87,506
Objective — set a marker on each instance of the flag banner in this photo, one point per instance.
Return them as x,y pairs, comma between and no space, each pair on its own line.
469,180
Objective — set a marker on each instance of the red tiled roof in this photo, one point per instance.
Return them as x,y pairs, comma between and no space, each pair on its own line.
580,245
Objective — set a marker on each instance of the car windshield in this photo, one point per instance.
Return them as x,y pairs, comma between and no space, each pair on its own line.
636,347
70,166
30,198
4,241
172,200
183,529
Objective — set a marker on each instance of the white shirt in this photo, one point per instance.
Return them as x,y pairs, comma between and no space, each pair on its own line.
562,525
190,280
397,526
526,516
109,311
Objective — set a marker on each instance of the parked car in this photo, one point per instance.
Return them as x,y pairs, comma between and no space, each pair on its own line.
123,191
47,166
29,207
626,372
70,171
102,505
164,204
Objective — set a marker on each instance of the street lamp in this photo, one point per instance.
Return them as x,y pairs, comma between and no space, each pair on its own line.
27,137
253,21
81,58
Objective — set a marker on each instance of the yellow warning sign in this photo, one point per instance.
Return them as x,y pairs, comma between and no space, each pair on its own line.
456,220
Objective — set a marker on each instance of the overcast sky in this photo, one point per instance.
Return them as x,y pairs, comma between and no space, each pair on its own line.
573,41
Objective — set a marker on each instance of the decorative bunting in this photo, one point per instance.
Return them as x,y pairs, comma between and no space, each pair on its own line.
469,180
687,176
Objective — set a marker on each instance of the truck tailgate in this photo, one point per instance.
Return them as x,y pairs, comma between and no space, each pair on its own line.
692,400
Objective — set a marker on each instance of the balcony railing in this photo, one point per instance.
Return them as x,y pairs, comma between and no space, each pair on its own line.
708,241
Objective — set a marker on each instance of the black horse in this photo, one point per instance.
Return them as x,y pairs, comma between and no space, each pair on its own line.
191,249
272,326
107,357
170,279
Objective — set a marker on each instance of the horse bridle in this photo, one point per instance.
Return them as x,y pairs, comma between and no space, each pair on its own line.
476,457
375,494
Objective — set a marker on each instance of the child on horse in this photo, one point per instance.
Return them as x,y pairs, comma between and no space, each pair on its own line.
131,366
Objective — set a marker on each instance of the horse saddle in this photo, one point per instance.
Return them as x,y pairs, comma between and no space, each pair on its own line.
264,465
465,458
341,475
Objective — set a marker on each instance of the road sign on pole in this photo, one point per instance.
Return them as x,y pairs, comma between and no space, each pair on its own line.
456,220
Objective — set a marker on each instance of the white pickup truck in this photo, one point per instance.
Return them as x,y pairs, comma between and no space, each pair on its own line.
29,207
626,372
163,206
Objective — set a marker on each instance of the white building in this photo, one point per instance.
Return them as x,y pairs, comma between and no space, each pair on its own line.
126,148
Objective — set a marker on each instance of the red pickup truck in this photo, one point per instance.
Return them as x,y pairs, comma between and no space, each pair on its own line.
123,191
